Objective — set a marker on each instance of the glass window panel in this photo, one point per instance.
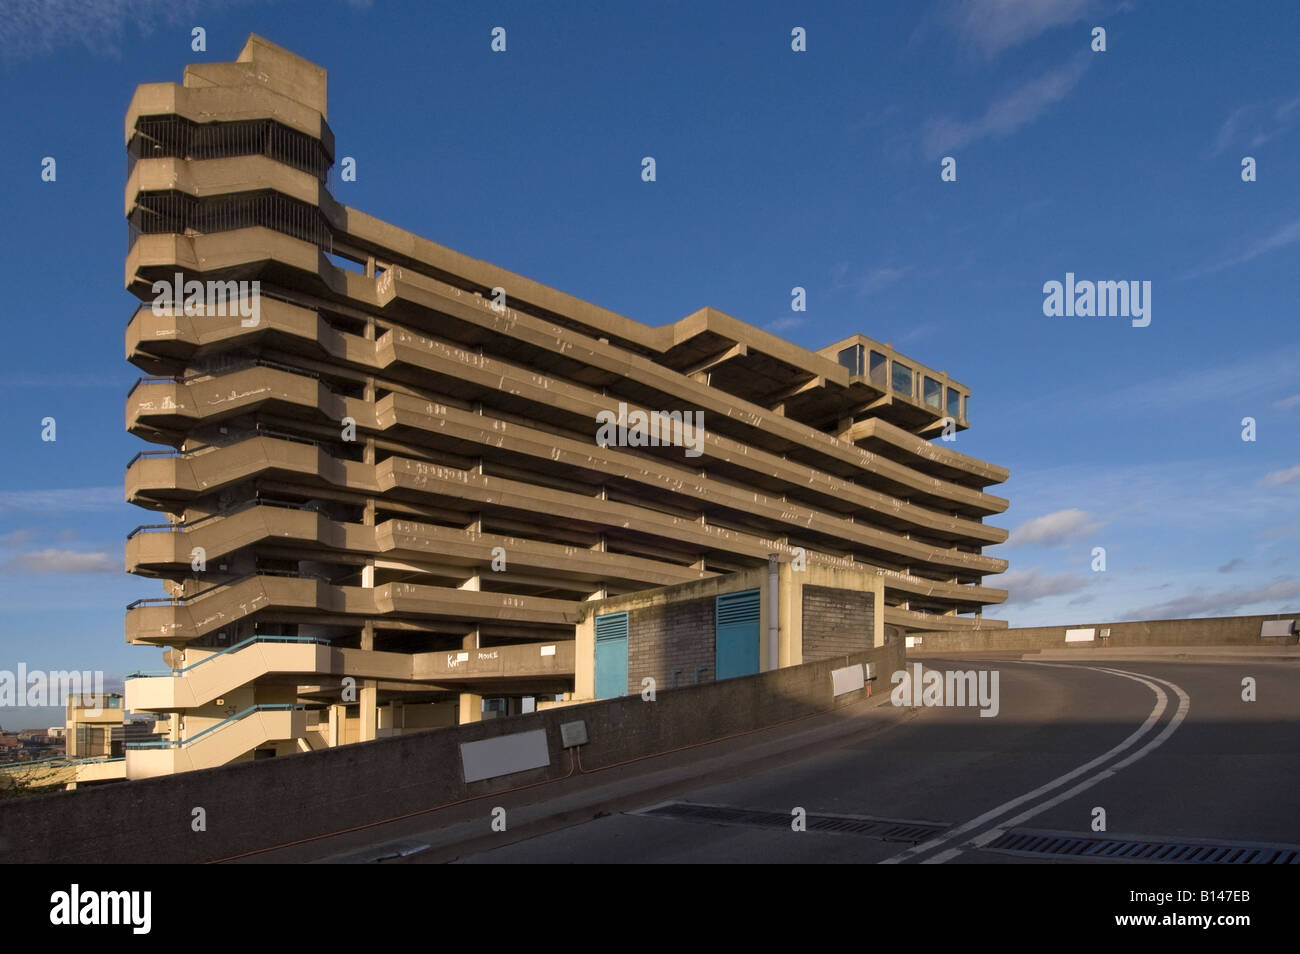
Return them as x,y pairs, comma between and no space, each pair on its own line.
933,393
851,358
878,368
902,378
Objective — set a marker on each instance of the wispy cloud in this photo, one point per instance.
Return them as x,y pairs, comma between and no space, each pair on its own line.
1257,124
1053,529
25,380
79,499
1235,563
1224,602
869,282
1027,586
1019,107
63,561
992,26
783,325
1256,377
1279,478
31,28
1287,403
1284,235
14,539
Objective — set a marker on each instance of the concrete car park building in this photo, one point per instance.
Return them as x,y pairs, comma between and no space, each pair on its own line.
380,494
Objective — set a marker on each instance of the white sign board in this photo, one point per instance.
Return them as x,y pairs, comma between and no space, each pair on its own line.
846,680
1276,627
504,755
1080,635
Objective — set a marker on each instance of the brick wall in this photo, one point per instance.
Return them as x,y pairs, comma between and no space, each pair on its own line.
673,636
836,621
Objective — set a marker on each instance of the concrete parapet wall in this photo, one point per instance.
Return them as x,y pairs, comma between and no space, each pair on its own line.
259,804
1218,631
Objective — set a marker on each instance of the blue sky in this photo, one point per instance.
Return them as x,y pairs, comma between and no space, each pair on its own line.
774,169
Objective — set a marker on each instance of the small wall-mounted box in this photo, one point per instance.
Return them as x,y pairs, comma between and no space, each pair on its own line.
573,734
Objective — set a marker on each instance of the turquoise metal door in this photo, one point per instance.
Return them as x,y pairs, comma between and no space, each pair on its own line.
611,655
736,629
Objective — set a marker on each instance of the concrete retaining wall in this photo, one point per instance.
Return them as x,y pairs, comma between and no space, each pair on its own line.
1219,631
262,803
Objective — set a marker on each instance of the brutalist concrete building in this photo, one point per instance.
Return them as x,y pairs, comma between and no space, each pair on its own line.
397,487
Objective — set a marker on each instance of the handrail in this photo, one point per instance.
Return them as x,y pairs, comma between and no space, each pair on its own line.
283,435
150,528
181,600
229,649
152,453
5,766
258,431
186,526
59,761
152,380
277,707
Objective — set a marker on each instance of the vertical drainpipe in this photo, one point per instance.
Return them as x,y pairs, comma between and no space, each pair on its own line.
773,610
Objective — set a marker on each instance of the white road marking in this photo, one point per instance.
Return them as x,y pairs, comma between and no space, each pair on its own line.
1184,704
1156,712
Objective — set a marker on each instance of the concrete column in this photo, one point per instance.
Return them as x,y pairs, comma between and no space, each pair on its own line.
471,705
369,695
471,708
338,719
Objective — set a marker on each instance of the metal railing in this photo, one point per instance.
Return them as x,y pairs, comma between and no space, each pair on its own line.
185,527
181,600
159,673
176,137
168,744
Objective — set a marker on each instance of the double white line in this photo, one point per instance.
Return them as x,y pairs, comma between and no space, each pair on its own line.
1091,772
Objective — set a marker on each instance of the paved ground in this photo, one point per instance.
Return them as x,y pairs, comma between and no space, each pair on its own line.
1168,749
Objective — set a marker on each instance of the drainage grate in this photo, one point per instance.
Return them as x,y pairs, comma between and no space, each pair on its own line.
1174,851
886,829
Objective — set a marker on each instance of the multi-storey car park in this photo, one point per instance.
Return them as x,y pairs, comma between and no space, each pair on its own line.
394,464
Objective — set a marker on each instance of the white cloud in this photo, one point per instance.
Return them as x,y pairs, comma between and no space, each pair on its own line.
64,561
1026,586
1279,478
870,282
783,325
1253,378
32,28
1281,237
1005,115
1222,602
62,500
1054,528
991,26
1256,124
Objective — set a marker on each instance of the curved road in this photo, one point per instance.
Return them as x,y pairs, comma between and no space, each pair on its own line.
1169,750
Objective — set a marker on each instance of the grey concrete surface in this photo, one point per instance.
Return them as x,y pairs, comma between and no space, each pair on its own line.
1231,770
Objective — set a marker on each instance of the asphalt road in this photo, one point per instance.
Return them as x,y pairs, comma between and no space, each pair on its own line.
1169,750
